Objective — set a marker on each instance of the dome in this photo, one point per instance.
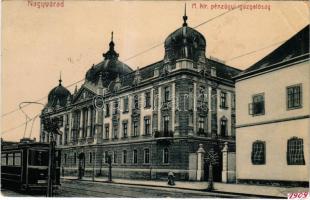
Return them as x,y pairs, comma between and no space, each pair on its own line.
109,68
185,42
58,95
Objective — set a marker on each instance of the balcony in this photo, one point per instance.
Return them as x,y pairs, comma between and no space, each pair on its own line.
159,134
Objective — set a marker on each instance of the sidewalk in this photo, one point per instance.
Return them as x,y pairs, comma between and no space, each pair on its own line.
268,191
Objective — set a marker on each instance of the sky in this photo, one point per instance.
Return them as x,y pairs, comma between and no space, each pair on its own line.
39,43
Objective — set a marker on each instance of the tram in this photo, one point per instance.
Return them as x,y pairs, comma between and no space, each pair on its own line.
24,165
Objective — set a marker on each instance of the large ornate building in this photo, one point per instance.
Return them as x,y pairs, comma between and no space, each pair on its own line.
150,119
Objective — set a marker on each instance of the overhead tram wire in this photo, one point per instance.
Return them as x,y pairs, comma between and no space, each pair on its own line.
236,57
38,100
134,56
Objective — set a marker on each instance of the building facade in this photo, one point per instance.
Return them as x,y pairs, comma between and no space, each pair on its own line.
149,119
273,116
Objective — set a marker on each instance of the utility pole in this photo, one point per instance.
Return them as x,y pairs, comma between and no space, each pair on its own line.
51,126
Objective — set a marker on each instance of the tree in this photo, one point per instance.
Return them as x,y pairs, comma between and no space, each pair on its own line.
213,159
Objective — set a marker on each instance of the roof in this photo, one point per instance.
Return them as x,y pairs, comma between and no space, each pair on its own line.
294,49
222,70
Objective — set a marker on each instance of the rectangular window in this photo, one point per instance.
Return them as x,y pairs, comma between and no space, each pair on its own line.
257,107
166,94
146,156
4,159
115,108
125,129
295,151
166,124
124,156
223,127
135,129
294,97
223,103
115,157
106,156
135,156
65,158
74,158
115,132
201,125
258,153
126,106
107,110
147,126
136,102
147,100
17,159
90,157
107,130
166,156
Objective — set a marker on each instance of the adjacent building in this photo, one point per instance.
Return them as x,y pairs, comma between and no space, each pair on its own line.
273,115
150,119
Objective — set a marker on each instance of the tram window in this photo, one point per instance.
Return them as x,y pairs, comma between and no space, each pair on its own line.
4,159
17,159
38,158
10,159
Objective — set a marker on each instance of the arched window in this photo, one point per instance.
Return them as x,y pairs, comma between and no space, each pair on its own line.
166,155
295,151
258,153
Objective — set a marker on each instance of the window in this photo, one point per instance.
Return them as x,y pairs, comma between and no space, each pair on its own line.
115,132
107,108
17,159
258,153
147,103
135,156
125,129
166,155
201,124
126,106
136,102
135,129
295,151
294,96
107,130
90,157
223,126
147,126
223,100
4,159
166,124
257,107
106,156
124,156
146,156
166,94
74,158
65,158
115,157
115,108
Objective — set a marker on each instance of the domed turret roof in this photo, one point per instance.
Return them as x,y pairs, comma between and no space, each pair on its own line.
185,42
109,68
58,95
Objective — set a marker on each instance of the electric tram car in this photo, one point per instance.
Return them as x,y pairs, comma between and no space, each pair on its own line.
24,166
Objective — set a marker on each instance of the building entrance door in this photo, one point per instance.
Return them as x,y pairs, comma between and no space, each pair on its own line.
81,169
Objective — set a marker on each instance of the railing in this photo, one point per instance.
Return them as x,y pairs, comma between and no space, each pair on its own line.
158,134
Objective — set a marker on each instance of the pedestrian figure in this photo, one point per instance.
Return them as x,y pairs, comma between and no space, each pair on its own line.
171,178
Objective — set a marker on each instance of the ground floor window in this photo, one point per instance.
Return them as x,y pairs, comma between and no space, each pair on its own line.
135,156
124,156
258,153
146,156
166,155
295,151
